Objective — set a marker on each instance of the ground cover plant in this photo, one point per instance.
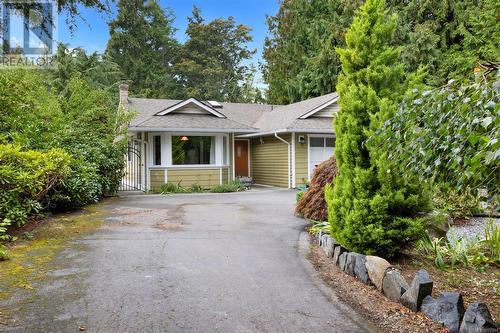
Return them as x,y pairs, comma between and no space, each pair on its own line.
312,204
233,186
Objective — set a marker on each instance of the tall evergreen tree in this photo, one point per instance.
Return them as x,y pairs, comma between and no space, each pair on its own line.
210,64
300,56
142,43
448,37
371,207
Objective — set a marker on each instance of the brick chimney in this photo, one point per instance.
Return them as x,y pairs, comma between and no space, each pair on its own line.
123,95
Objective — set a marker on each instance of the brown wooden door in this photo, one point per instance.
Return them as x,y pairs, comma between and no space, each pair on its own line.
241,158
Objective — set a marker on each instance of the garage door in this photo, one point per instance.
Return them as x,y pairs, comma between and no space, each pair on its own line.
321,148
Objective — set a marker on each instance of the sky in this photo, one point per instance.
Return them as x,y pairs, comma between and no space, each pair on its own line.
92,32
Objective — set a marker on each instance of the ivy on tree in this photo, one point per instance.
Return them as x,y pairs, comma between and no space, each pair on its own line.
372,208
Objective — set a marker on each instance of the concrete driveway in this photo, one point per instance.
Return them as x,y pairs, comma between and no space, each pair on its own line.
189,263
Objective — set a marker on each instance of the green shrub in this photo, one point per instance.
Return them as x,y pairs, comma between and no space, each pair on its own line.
372,207
26,177
4,254
234,186
455,203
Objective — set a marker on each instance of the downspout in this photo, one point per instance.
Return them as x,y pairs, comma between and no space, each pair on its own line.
289,164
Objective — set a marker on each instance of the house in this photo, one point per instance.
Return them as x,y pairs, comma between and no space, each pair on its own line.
208,143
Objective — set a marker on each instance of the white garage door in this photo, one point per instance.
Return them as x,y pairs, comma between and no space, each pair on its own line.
321,148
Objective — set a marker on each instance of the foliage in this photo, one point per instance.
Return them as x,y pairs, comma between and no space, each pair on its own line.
67,110
4,254
300,56
233,186
478,253
26,177
313,205
210,62
450,135
171,188
448,37
372,208
456,204
299,195
317,226
142,43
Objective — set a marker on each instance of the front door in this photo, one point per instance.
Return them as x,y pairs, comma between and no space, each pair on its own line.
241,158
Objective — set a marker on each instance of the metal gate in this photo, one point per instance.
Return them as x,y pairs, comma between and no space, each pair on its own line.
132,178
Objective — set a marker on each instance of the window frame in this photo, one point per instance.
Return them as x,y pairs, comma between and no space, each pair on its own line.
166,151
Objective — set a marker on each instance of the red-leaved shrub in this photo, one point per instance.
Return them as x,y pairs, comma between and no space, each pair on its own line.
313,204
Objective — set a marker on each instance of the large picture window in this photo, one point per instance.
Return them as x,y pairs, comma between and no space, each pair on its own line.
193,150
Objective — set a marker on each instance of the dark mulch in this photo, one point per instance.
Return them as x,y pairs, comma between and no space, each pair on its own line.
369,302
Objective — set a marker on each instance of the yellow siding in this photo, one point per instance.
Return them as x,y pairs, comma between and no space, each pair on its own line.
225,175
186,177
157,178
300,160
269,161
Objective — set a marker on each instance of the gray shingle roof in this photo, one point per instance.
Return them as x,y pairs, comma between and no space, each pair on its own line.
241,117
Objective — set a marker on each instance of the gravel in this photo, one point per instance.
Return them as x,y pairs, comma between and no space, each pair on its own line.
473,230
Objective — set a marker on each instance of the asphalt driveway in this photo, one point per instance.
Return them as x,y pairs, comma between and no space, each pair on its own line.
189,263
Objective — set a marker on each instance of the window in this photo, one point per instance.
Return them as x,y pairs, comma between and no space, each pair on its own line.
193,150
157,150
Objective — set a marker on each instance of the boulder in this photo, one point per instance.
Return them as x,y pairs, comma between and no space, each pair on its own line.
360,269
376,268
351,263
447,310
328,246
394,285
342,260
478,319
337,252
420,288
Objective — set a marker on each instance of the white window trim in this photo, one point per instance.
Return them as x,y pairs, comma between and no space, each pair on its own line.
309,136
191,101
166,151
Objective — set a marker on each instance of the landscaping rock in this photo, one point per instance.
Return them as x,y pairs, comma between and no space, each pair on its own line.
351,263
337,252
360,269
376,268
420,288
477,319
342,260
323,239
328,246
394,285
447,310
319,235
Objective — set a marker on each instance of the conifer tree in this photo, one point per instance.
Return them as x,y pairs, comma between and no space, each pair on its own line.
371,207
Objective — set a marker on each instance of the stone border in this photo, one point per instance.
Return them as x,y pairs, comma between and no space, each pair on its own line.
447,310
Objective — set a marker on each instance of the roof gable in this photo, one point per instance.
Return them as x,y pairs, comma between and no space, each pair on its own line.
183,108
324,110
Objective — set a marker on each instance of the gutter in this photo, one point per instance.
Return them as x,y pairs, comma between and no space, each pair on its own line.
289,164
312,131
